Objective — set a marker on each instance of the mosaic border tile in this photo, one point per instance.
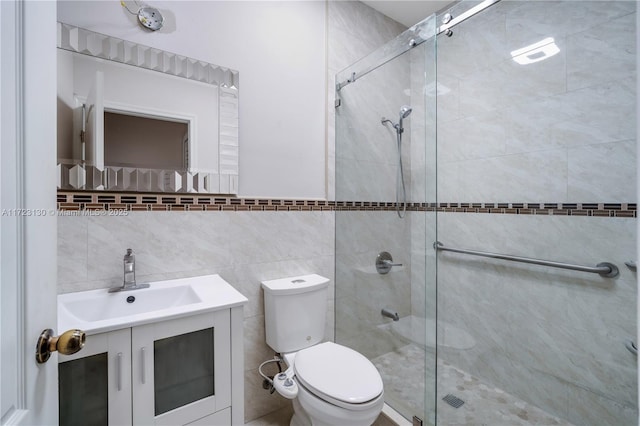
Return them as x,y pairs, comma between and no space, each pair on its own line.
549,209
121,201
69,200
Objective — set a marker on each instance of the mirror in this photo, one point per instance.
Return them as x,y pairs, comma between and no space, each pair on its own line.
135,118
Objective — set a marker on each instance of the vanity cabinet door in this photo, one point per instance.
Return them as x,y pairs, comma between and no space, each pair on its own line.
94,385
181,369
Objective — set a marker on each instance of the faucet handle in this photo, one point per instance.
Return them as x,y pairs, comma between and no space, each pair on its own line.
384,262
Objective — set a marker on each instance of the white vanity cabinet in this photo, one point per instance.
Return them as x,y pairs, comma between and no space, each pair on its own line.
173,372
94,385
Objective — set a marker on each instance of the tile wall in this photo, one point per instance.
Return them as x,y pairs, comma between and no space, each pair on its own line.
561,130
245,248
355,30
365,158
552,337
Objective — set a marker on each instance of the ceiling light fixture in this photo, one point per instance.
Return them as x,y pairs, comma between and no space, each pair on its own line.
536,52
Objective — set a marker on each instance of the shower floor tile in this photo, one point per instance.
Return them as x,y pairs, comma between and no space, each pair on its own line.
402,372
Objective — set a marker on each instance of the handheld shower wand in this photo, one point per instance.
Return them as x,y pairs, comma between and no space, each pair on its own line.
405,111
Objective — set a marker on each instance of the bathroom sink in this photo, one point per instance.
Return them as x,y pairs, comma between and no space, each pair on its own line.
102,306
99,311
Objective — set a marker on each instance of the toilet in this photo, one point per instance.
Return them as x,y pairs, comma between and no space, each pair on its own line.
329,384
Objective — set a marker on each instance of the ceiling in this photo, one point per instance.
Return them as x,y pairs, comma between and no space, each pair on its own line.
407,12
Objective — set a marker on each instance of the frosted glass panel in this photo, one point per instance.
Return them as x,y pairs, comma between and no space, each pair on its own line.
183,369
83,390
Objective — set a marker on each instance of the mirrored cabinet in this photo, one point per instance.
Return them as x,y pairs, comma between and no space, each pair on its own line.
175,372
136,118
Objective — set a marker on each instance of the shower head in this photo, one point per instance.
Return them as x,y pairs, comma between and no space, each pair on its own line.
405,111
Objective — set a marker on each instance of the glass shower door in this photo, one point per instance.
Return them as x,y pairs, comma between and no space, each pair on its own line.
385,183
537,158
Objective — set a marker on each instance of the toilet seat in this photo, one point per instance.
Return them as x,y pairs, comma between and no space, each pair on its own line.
339,375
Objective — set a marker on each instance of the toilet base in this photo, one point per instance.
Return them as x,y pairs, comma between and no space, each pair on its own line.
309,410
300,417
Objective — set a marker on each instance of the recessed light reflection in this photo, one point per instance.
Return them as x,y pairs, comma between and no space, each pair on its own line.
436,89
536,52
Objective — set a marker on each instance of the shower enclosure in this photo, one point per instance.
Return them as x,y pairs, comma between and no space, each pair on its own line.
519,139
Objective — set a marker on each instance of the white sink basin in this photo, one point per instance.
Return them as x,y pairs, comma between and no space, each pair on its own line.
97,311
101,306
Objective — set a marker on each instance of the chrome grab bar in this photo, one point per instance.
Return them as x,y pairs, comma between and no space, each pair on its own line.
605,269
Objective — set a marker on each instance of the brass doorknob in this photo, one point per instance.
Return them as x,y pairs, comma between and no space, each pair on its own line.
67,343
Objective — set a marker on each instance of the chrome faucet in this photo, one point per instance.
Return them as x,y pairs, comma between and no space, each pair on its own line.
386,312
129,278
129,269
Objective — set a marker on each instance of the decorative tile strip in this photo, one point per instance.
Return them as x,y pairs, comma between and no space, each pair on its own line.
73,201
547,209
70,200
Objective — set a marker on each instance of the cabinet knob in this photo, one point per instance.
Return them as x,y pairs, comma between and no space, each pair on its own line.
69,342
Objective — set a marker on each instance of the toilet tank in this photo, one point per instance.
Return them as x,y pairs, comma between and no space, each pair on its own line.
295,310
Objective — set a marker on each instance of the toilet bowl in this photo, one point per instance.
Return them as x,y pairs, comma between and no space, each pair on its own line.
329,384
336,386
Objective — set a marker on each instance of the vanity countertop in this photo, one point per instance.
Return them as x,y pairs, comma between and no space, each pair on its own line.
98,311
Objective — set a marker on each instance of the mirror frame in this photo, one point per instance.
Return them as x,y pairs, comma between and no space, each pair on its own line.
77,176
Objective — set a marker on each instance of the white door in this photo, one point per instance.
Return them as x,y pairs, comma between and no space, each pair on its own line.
27,202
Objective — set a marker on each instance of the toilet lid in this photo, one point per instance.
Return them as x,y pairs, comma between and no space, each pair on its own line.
338,372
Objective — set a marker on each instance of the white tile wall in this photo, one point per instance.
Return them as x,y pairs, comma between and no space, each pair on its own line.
245,248
560,130
563,330
355,30
365,158
510,132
